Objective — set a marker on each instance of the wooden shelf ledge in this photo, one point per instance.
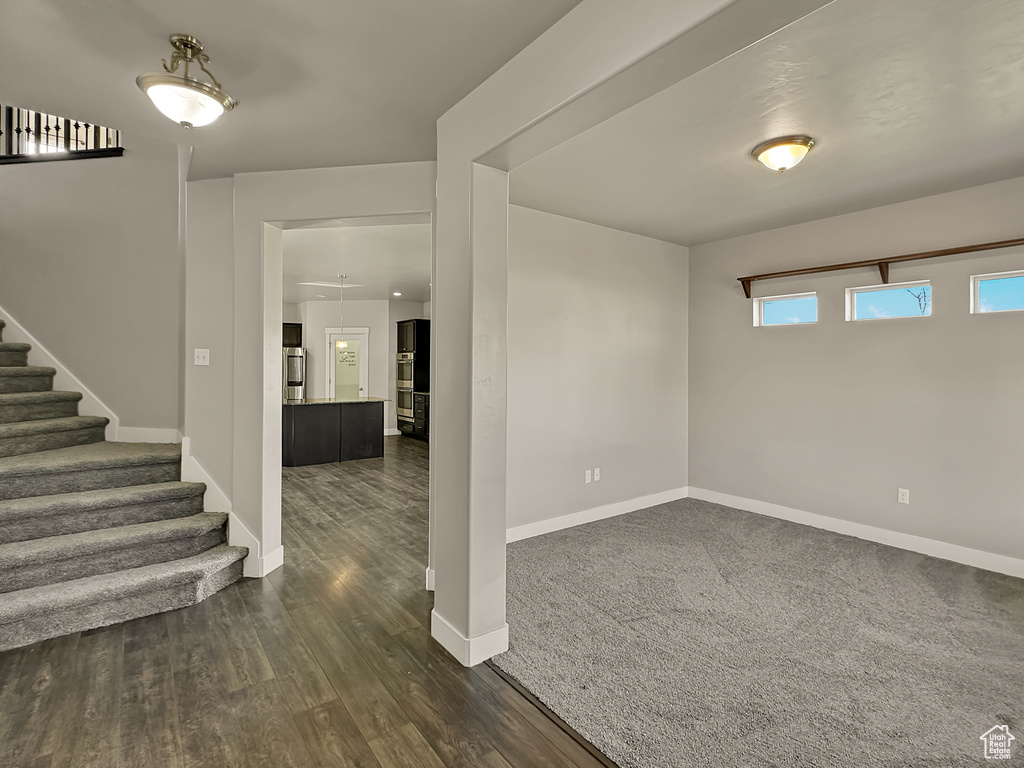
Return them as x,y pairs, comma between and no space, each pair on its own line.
881,264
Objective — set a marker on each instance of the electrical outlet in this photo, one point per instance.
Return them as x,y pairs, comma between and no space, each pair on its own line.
903,495
597,474
202,357
587,476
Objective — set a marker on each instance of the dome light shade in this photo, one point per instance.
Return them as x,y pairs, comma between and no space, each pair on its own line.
782,154
183,98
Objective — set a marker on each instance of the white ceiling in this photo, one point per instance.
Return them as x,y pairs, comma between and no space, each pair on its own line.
380,254
904,99
321,82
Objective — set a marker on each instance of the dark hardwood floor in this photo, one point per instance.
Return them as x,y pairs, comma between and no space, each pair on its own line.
327,662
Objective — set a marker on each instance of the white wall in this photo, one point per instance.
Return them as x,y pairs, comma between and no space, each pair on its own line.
597,366
91,268
290,313
426,310
209,325
832,418
397,311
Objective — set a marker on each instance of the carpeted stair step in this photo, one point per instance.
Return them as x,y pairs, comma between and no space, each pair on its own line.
26,378
30,615
13,353
48,434
36,517
2,326
30,406
35,563
88,468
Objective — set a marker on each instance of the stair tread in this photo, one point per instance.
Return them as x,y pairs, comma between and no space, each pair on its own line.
14,346
83,501
27,398
91,542
89,457
42,426
27,370
52,598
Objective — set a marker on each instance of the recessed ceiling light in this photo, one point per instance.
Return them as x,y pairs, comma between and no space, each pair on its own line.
320,296
396,293
782,154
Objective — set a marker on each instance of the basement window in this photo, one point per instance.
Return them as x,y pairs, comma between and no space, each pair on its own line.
997,292
877,302
791,309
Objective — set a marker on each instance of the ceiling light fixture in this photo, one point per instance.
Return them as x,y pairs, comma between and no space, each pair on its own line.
183,98
782,154
331,285
396,293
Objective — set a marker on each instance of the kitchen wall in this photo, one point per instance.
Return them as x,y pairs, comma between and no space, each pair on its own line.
597,367
832,418
317,316
91,268
290,313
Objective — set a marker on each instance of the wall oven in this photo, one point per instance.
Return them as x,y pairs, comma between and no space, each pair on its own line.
405,371
404,407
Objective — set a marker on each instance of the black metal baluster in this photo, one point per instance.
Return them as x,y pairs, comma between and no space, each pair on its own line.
38,132
19,134
8,145
45,147
96,137
78,142
67,135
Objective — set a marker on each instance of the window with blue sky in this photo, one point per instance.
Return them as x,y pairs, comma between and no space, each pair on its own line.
1000,292
886,301
795,309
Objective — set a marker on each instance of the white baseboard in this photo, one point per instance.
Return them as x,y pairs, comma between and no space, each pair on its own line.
392,432
64,380
541,527
192,471
148,435
430,579
974,557
468,651
271,561
240,536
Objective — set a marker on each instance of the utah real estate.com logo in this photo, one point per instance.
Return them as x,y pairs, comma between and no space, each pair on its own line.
997,742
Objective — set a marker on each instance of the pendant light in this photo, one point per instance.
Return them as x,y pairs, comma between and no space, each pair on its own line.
182,97
782,154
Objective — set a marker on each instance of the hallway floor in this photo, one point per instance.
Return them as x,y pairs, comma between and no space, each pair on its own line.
327,662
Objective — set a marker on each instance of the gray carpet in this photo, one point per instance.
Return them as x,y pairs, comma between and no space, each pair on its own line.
692,634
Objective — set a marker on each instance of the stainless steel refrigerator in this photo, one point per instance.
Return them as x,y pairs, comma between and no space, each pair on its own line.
294,373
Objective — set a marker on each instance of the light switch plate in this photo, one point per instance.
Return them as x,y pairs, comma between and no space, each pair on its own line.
202,357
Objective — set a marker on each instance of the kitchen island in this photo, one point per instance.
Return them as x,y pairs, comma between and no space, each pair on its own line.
323,431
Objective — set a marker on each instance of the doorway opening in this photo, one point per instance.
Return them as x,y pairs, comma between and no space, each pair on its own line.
348,375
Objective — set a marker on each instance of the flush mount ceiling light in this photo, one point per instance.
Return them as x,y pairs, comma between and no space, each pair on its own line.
182,97
782,154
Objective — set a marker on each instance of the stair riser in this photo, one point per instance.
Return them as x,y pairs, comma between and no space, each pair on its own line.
58,409
18,446
135,555
41,526
81,618
13,357
10,384
40,484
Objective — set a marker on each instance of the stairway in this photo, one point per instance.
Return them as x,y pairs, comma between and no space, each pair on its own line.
93,533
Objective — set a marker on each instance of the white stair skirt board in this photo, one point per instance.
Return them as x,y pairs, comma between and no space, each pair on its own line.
965,555
148,435
256,565
541,527
468,651
430,579
64,380
392,432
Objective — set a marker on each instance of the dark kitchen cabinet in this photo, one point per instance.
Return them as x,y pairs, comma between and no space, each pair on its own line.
291,334
414,336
